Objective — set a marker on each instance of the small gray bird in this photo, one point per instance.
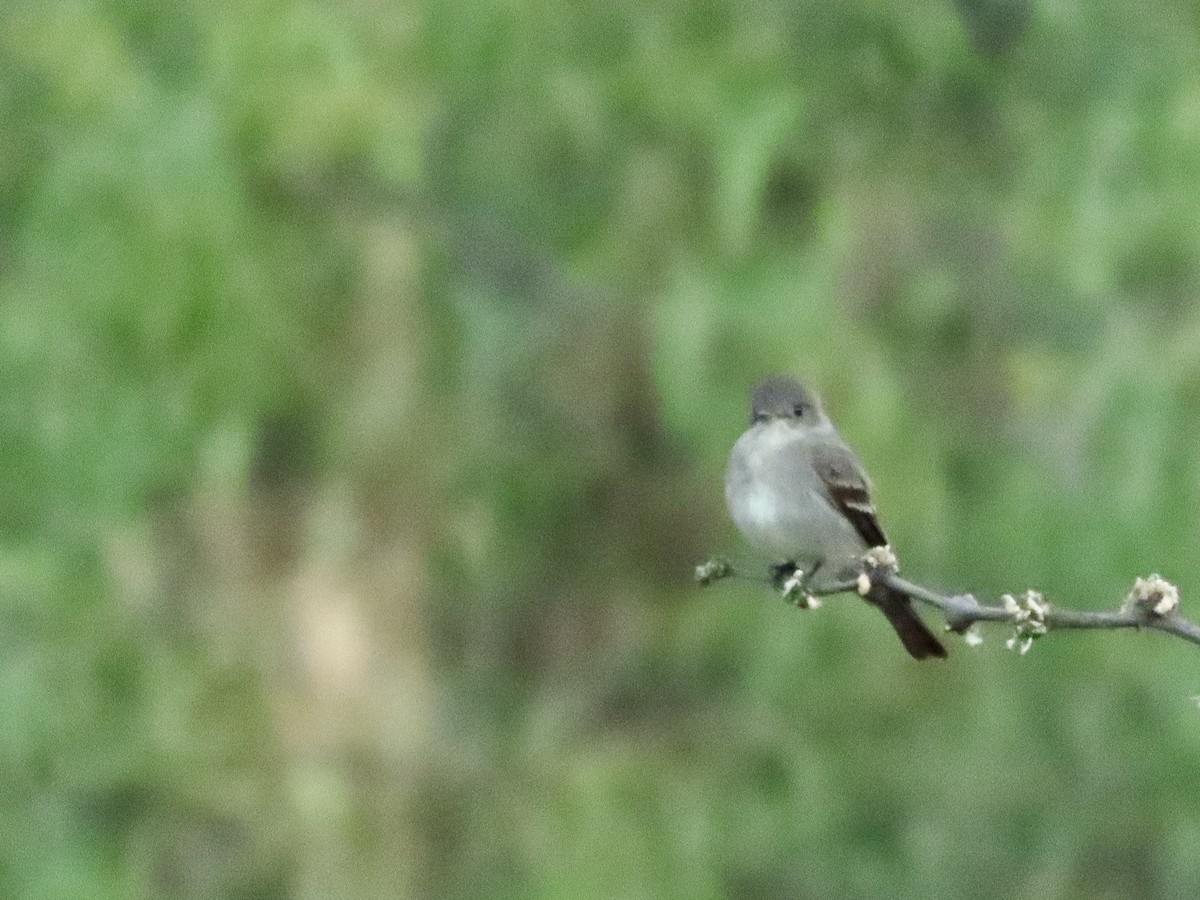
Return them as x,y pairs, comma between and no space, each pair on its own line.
797,493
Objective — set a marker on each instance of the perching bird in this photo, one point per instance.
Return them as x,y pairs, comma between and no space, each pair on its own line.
797,493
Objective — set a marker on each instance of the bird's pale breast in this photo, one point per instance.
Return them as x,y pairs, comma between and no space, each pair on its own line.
777,502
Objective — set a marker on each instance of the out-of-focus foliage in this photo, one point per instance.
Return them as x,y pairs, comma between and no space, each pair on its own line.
367,371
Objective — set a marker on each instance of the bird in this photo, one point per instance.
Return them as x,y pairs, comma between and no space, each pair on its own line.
798,494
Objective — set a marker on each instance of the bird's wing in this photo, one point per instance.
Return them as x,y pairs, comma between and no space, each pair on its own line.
847,489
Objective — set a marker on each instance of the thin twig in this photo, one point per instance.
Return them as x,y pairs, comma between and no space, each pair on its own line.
1153,604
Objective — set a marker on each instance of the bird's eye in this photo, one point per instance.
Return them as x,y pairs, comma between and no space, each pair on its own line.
798,409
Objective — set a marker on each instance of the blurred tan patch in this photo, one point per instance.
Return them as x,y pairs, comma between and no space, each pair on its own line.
332,642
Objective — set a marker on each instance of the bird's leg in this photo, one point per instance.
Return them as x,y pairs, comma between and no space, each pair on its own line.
781,572
792,582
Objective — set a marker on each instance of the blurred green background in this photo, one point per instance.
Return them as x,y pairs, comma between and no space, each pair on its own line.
367,373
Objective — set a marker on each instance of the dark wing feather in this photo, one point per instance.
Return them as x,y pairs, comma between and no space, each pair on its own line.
847,488
849,491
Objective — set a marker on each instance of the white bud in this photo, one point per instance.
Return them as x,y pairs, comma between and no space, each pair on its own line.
1154,594
882,558
793,584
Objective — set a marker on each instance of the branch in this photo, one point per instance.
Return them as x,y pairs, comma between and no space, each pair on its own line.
1153,603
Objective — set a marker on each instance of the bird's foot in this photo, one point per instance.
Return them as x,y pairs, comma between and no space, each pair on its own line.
781,573
792,583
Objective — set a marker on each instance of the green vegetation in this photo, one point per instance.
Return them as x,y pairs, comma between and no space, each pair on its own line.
367,372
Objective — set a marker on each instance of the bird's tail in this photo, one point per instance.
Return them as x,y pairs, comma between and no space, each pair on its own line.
918,640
